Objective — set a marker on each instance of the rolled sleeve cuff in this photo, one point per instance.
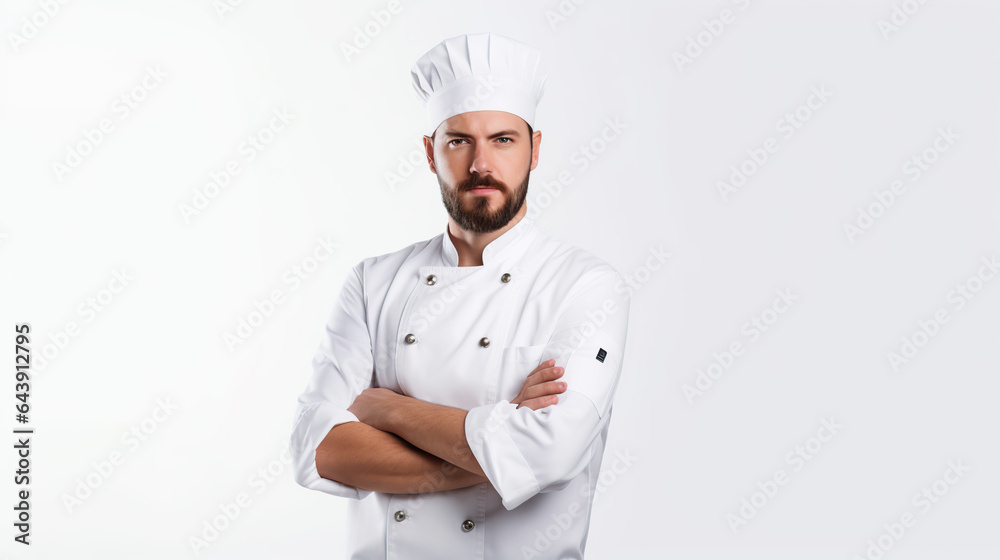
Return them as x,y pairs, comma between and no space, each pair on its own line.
498,455
313,423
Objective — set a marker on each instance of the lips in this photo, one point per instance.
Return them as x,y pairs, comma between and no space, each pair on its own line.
482,189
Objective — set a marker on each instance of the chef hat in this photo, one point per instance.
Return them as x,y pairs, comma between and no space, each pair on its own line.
479,72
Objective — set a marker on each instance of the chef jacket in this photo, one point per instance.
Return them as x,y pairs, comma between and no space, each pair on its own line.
415,322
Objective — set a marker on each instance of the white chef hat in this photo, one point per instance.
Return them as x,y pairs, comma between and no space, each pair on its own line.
479,72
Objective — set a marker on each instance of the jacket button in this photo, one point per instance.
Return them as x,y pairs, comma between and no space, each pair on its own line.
468,525
505,278
484,342
410,339
431,280
400,515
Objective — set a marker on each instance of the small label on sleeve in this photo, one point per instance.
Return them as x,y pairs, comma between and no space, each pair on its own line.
601,354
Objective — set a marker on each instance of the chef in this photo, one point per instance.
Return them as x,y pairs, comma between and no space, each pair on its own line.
463,389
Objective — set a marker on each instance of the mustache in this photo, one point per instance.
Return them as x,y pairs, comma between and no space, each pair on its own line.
481,181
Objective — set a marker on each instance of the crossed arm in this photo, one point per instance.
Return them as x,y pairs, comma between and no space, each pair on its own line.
403,445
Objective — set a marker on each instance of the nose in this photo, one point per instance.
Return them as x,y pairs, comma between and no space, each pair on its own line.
481,162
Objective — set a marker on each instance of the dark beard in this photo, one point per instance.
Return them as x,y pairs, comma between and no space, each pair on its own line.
480,219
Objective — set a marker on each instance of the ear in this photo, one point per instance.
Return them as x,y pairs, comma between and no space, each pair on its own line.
536,143
429,151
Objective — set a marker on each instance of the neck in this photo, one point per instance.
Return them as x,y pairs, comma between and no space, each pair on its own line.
470,244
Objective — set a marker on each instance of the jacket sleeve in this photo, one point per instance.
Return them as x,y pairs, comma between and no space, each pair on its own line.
523,451
342,368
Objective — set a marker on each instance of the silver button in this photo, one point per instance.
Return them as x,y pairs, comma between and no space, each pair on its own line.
431,280
484,342
400,515
468,525
505,278
410,339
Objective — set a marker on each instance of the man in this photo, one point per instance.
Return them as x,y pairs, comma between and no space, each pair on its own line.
463,391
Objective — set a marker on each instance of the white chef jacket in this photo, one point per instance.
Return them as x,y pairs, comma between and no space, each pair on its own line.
415,322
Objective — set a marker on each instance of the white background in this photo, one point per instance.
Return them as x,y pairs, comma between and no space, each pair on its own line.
654,186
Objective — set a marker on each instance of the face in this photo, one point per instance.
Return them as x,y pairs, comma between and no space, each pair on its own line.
482,160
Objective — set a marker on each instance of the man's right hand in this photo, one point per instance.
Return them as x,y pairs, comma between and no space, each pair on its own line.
540,388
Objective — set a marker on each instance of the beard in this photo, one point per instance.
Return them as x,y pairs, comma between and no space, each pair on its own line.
476,215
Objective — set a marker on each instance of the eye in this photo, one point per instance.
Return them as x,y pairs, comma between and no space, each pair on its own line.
456,140
509,140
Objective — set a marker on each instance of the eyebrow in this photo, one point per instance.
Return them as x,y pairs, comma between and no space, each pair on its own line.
456,134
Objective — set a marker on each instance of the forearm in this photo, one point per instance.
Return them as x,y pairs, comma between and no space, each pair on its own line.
365,457
436,429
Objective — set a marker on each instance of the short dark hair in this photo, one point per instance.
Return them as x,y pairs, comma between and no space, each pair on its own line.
531,142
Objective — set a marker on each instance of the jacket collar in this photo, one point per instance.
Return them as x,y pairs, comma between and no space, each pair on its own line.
497,250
